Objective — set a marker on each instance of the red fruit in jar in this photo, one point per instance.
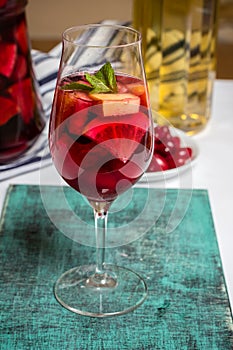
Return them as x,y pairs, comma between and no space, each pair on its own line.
2,3
20,69
25,101
4,82
13,152
8,53
21,37
8,110
158,163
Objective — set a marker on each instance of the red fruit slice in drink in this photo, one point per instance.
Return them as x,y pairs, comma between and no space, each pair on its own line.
63,159
70,102
8,109
119,135
25,101
8,53
76,122
137,89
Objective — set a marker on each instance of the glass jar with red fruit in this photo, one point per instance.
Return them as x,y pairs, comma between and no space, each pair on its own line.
21,112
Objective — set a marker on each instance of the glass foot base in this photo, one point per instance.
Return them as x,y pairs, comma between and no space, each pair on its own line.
74,291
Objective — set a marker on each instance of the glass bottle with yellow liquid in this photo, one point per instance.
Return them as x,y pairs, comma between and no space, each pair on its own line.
179,41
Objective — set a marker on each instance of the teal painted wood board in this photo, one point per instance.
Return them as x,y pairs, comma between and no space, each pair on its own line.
187,306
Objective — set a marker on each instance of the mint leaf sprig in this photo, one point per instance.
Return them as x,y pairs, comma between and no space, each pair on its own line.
103,81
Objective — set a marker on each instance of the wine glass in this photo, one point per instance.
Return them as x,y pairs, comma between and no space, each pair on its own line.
101,142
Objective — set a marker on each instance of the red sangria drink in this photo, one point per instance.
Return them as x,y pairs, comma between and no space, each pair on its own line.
21,117
102,140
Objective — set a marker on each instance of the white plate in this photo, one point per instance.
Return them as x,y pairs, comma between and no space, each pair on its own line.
186,141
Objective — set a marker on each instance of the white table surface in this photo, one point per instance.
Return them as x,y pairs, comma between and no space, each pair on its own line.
212,171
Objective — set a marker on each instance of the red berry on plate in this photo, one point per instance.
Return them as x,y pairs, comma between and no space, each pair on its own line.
162,133
173,144
182,156
168,152
160,148
171,161
158,163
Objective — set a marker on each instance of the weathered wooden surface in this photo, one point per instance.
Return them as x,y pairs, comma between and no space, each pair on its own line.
187,306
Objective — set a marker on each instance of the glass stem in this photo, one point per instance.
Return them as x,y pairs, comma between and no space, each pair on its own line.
101,278
101,218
